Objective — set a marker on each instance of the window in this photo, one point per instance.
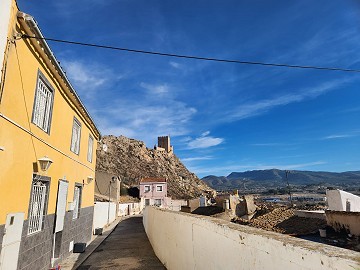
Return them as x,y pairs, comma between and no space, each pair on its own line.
43,103
90,148
75,138
147,202
38,203
147,188
159,188
77,201
157,202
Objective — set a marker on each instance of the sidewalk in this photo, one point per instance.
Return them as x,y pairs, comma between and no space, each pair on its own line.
126,248
75,259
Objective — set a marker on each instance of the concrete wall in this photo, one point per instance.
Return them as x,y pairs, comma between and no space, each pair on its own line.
350,221
337,199
319,214
101,213
175,205
185,241
126,209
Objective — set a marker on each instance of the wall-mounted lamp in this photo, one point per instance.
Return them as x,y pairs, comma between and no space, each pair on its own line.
90,179
45,163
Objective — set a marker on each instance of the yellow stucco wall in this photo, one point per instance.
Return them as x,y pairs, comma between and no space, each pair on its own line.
21,149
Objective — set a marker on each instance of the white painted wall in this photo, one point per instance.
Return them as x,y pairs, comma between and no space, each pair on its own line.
126,209
336,200
101,213
175,205
5,11
186,241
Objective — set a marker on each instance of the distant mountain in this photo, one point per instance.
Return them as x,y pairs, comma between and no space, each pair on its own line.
277,178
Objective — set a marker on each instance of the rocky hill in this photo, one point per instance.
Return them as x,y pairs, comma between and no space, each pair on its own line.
131,160
276,178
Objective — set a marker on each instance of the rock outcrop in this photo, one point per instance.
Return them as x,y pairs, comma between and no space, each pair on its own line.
131,160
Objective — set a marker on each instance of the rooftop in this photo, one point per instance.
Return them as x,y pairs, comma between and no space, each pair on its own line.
152,179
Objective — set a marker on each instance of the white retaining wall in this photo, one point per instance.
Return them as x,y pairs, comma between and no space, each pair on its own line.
337,199
101,214
126,209
186,241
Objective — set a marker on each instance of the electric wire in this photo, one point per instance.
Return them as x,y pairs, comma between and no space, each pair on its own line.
194,57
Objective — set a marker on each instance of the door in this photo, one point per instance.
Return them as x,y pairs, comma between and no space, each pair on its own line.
147,202
11,242
60,215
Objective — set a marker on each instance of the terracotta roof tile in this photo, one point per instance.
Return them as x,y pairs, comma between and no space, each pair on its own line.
153,179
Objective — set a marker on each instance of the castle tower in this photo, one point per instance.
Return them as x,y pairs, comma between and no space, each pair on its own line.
164,142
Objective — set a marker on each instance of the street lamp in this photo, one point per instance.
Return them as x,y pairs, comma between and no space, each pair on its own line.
45,163
287,181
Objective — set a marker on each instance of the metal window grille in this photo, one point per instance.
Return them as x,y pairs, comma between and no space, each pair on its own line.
157,202
76,202
75,139
42,106
36,215
90,149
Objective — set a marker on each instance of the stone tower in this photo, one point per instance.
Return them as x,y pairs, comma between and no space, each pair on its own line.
164,142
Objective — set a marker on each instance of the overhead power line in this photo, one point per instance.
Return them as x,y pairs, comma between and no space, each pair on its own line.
194,57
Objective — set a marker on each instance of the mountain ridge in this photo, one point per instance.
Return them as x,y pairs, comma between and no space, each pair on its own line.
277,178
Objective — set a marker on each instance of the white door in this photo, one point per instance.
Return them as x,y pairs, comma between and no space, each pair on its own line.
11,241
61,205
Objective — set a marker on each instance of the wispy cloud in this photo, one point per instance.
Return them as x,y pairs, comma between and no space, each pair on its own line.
268,144
259,107
338,136
175,64
196,158
145,120
204,141
87,76
155,88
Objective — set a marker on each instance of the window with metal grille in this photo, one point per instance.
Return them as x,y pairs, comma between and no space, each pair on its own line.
157,202
90,148
75,138
43,103
77,201
38,203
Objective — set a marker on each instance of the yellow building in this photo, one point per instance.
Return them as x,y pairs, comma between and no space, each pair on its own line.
43,211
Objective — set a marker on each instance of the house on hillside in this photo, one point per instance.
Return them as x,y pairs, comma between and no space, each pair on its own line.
48,142
153,191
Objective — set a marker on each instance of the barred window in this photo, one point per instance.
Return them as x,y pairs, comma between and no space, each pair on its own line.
75,138
38,203
157,202
77,201
90,148
43,103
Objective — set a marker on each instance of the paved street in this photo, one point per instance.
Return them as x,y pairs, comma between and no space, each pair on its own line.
127,247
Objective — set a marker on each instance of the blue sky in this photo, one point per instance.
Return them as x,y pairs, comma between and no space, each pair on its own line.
221,117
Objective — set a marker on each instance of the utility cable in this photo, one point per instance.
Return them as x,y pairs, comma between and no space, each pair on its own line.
194,57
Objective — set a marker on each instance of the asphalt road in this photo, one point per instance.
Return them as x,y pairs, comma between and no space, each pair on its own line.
127,247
